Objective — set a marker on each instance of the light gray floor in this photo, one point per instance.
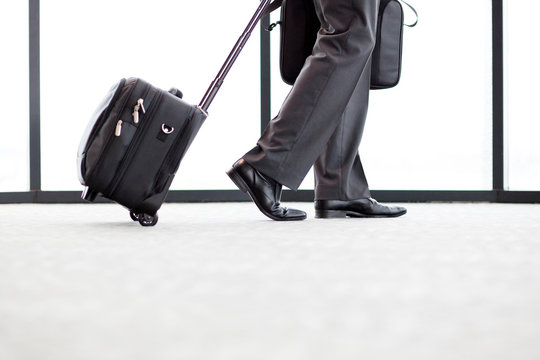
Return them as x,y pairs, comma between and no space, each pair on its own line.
220,281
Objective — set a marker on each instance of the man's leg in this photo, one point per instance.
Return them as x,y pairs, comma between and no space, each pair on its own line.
309,116
341,188
339,174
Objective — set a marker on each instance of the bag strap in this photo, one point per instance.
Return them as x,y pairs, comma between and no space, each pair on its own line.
276,4
414,11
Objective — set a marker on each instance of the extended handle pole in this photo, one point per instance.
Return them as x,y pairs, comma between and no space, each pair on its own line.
216,84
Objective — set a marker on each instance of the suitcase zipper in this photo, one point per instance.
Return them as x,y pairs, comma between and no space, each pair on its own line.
139,105
135,114
119,124
99,125
109,141
134,143
118,130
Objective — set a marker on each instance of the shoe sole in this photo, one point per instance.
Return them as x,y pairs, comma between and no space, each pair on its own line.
241,184
341,214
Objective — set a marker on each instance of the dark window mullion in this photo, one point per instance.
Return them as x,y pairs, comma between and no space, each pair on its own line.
34,97
498,96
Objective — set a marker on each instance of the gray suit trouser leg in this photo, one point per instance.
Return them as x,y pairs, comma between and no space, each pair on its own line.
322,118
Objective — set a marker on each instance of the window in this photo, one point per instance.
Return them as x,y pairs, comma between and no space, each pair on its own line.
522,58
14,175
180,44
433,131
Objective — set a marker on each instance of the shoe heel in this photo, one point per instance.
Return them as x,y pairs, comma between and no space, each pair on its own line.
330,214
236,180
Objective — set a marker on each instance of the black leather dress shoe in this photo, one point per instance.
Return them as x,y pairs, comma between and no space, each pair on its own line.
264,191
325,209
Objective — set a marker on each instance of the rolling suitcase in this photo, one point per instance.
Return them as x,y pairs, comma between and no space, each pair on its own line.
138,135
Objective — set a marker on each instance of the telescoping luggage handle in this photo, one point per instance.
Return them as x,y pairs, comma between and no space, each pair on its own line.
218,81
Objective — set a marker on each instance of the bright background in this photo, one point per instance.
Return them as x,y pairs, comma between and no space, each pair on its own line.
522,61
168,43
432,132
14,171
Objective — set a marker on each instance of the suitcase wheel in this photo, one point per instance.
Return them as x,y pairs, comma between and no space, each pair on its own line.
134,216
144,219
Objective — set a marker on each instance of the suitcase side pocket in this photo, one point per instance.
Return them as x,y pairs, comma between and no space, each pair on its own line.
100,115
103,130
177,151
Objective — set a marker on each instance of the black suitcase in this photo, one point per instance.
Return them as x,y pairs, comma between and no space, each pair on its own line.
138,136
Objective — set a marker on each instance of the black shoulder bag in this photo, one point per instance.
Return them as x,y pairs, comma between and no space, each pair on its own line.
299,27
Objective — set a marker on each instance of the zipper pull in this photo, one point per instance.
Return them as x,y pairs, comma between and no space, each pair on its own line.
140,105
118,130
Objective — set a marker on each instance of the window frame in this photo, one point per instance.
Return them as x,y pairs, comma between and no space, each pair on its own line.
497,194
